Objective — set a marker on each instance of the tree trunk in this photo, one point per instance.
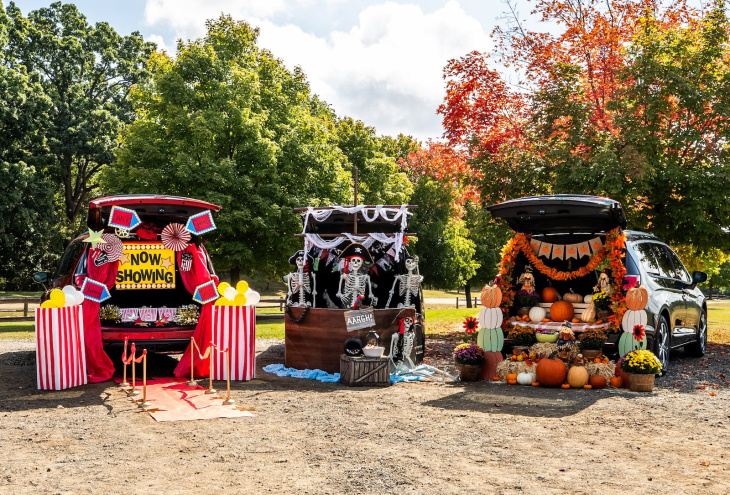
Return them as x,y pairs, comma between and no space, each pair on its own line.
235,275
709,297
467,294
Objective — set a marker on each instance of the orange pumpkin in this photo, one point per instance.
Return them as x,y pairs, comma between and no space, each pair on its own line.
550,294
616,382
598,322
565,385
491,296
575,320
572,297
535,384
512,382
577,376
496,378
546,319
561,311
636,298
551,371
511,376
587,386
597,381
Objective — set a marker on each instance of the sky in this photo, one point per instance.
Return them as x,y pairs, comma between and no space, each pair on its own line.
380,62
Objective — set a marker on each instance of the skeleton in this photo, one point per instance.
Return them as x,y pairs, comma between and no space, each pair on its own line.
354,284
300,287
401,347
409,284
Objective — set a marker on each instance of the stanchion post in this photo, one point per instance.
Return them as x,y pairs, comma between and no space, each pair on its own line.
211,390
228,400
144,404
192,381
124,383
134,390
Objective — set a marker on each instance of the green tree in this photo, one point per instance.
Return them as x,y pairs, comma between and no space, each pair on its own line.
226,122
87,72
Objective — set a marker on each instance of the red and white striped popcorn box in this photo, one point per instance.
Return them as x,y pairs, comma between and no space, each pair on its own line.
234,328
60,351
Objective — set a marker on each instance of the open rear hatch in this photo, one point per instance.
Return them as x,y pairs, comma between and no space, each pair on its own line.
153,208
561,214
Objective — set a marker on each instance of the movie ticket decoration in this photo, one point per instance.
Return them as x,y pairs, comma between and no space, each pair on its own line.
206,293
200,223
123,218
146,265
95,291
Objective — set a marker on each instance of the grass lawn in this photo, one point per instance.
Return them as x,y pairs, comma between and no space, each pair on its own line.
718,321
10,293
17,330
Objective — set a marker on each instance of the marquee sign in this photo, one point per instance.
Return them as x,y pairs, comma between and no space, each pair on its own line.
95,291
123,218
200,223
146,265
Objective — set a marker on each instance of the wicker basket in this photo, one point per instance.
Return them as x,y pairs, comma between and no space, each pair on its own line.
642,382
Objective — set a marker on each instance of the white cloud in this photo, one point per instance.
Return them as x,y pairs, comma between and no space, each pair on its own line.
386,70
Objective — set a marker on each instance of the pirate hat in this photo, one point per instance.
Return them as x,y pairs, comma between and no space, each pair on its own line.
357,250
307,257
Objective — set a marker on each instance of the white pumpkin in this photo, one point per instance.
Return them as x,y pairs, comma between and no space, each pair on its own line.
490,318
588,298
537,313
633,318
525,378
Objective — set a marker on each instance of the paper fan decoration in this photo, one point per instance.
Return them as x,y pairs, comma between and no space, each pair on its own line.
175,237
113,247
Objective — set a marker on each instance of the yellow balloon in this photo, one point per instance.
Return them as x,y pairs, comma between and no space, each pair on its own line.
239,300
49,304
222,287
242,286
220,301
58,298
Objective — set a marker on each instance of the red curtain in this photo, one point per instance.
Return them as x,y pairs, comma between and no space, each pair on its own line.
99,366
197,275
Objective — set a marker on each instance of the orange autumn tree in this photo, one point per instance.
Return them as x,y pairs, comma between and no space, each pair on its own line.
627,99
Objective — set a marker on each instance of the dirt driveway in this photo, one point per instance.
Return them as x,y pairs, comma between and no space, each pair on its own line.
309,437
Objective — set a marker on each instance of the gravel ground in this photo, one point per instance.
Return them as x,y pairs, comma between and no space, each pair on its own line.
309,437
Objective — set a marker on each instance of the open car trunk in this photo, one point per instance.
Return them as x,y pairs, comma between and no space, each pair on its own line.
152,208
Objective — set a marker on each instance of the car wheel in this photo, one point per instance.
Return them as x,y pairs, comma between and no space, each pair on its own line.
661,343
699,347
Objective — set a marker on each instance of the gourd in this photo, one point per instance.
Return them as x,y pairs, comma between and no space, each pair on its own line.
616,381
535,384
636,298
525,378
587,386
491,296
589,313
565,385
572,297
577,376
550,294
551,371
561,311
490,318
537,313
597,381
588,298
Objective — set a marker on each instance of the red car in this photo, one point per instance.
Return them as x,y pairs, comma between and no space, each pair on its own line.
164,287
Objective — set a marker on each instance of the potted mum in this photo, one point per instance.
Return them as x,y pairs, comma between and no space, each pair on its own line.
469,358
525,300
602,303
591,342
642,367
522,337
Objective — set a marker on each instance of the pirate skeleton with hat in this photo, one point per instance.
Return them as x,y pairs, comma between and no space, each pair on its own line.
301,285
409,283
352,282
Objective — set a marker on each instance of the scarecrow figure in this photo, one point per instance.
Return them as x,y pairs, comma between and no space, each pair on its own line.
604,282
301,285
352,282
409,284
566,335
527,279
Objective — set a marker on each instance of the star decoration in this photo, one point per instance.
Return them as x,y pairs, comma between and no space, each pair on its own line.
165,263
95,238
138,322
124,258
161,322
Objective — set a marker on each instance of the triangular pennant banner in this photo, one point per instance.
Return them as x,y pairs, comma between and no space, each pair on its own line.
584,249
123,218
200,223
558,251
571,251
95,291
545,249
206,293
535,245
596,244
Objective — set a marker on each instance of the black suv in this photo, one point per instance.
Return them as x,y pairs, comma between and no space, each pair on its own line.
676,309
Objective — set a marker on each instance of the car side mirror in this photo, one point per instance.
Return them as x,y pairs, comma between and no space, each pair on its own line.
698,277
41,277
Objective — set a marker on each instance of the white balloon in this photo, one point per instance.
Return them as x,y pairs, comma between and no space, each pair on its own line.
230,293
248,292
69,290
253,298
70,299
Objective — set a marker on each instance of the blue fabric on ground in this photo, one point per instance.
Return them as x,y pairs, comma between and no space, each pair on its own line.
405,378
319,375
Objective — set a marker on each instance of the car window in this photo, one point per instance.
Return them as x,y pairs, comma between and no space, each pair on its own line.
680,272
655,260
69,258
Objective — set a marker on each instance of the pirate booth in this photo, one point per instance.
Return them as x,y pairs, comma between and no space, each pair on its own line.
355,281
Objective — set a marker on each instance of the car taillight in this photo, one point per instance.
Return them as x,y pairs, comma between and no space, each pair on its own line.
631,281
